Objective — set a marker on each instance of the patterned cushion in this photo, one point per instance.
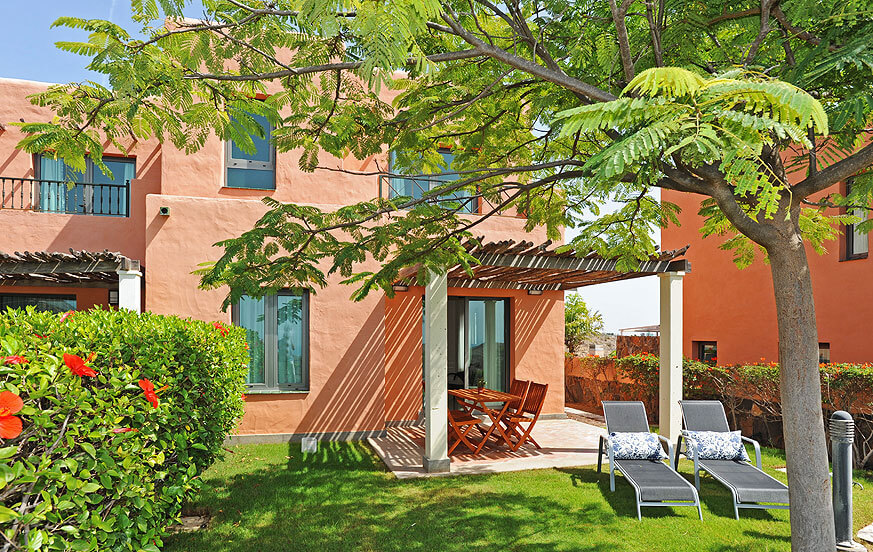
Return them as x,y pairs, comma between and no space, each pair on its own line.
718,445
636,446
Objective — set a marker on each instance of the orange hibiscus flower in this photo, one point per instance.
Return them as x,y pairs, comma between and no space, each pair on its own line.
77,365
148,389
10,426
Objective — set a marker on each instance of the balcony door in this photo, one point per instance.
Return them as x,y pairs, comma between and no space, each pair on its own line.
478,342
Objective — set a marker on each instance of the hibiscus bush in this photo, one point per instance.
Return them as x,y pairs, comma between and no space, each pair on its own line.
107,418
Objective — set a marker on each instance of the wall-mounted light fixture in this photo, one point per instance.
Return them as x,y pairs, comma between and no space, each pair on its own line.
534,292
164,211
400,287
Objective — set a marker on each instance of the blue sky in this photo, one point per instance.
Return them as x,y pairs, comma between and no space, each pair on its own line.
26,32
31,54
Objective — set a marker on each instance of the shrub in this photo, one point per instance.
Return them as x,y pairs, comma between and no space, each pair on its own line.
97,465
844,387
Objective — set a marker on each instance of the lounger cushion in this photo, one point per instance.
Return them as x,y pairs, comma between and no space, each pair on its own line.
718,445
636,446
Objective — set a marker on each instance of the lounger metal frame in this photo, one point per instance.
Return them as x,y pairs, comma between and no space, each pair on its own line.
698,467
605,446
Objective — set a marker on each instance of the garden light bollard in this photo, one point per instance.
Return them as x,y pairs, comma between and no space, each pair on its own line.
842,431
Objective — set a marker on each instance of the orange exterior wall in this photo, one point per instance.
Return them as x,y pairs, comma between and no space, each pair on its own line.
365,357
736,307
536,323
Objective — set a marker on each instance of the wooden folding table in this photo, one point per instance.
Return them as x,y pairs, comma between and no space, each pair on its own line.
475,400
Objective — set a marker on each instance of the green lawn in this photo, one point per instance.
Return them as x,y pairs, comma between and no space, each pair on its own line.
272,497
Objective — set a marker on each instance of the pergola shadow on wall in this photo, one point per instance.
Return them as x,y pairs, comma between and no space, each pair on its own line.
537,268
75,269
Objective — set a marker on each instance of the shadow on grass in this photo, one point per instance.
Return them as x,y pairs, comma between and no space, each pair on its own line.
273,497
341,499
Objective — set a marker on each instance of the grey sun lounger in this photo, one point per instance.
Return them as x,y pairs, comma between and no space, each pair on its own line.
749,485
655,483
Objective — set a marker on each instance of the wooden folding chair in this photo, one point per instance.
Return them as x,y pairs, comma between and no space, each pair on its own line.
519,389
528,414
461,423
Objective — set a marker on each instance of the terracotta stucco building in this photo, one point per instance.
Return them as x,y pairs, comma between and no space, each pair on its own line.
731,313
343,368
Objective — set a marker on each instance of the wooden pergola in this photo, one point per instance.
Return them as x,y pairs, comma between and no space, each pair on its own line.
537,268
522,265
76,269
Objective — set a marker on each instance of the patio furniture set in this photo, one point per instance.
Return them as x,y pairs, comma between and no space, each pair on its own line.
510,424
708,442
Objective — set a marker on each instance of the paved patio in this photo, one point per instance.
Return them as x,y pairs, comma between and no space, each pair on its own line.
564,442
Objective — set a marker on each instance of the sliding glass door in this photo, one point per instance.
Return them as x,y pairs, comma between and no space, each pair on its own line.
478,338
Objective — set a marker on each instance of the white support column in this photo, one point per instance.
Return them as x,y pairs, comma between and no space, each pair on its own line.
670,392
436,390
130,290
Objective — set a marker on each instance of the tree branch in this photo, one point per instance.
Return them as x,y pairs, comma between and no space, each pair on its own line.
766,6
655,32
347,65
838,172
618,15
561,79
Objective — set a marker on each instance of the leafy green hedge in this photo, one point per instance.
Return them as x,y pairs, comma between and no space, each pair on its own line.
844,386
751,391
121,413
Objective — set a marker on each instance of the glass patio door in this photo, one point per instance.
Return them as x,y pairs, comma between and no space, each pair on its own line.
477,342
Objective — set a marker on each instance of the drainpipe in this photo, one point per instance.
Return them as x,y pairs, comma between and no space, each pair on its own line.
842,431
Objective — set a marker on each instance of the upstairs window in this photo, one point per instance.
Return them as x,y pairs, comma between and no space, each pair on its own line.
856,242
277,333
416,186
92,192
255,171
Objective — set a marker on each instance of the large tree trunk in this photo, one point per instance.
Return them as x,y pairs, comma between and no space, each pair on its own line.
812,519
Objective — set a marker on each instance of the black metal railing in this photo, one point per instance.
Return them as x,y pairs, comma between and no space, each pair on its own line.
57,196
392,186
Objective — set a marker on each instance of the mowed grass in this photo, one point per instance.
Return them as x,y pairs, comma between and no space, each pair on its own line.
273,497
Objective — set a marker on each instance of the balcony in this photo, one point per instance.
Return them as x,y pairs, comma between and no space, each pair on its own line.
56,196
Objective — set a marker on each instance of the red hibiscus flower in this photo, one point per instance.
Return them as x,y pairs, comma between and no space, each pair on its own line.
123,430
77,365
14,359
148,389
220,327
67,315
10,426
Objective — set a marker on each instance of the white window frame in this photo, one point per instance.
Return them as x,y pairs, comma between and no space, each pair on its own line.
231,162
271,344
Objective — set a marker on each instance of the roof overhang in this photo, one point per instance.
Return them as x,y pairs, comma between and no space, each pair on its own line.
522,265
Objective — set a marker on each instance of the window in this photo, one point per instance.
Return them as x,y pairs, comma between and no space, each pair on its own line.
50,303
824,353
256,171
706,351
856,242
277,332
417,186
92,193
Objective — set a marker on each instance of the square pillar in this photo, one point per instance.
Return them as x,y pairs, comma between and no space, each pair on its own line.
130,290
436,364
670,378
